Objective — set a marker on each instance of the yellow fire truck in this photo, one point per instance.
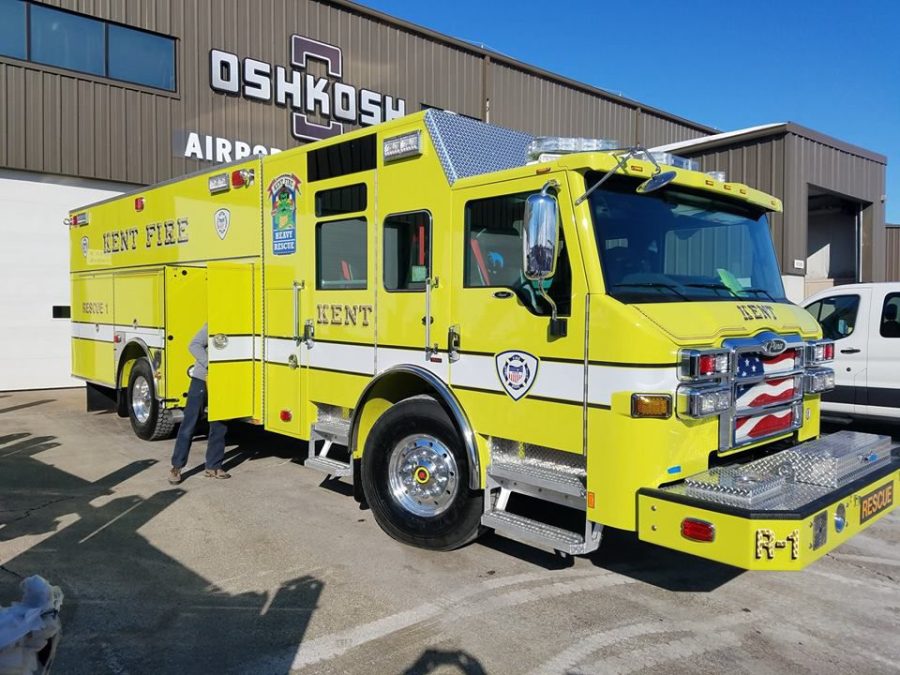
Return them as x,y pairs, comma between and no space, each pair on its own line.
461,318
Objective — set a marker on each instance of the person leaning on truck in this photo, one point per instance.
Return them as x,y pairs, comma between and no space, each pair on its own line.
196,402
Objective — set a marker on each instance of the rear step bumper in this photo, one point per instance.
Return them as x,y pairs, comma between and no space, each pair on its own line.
770,539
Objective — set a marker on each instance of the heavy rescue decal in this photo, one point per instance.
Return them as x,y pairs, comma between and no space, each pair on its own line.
875,502
751,312
766,543
222,222
343,315
517,372
283,191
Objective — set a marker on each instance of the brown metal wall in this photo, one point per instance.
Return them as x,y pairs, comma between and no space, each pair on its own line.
892,253
54,121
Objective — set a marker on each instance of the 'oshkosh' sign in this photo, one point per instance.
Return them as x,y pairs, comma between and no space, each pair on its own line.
328,97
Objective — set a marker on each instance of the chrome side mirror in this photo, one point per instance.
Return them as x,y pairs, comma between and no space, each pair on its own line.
540,239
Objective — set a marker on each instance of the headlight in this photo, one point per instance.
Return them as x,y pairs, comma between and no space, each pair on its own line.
819,380
703,401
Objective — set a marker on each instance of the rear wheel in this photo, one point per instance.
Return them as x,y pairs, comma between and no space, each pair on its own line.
149,421
415,477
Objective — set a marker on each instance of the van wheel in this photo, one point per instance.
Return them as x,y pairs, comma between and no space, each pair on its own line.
415,477
148,420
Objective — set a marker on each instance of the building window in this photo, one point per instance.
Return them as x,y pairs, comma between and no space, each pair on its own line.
12,29
144,58
63,39
407,251
67,40
341,262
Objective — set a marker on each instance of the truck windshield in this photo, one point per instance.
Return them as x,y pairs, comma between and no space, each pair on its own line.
677,245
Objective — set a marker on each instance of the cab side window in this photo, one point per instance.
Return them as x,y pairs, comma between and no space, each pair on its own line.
341,254
407,251
836,315
890,316
493,254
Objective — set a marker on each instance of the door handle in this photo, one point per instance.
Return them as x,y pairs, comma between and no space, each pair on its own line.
851,350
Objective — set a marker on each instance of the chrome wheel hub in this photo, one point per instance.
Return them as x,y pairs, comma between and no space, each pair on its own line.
141,399
423,475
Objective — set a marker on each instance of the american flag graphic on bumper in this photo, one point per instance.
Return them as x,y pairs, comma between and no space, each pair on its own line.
770,391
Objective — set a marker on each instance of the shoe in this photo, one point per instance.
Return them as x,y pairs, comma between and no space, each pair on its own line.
174,476
217,473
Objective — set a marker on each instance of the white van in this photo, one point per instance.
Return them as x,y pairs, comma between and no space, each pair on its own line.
864,322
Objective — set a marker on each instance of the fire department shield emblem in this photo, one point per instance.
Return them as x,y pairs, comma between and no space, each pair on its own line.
517,372
84,246
223,220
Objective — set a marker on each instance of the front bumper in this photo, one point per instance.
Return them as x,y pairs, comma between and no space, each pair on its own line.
771,538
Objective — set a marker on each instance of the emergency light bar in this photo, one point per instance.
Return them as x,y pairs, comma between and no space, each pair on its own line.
669,159
557,145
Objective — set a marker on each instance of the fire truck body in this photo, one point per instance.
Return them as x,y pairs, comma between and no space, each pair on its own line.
471,326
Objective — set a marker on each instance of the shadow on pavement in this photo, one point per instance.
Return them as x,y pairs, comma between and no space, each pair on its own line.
128,606
623,553
30,404
452,661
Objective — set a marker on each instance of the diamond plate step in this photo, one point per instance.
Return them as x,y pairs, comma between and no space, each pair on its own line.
337,431
327,465
536,533
538,476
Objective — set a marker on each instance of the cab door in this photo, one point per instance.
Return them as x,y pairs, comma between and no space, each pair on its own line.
844,317
516,380
883,371
232,347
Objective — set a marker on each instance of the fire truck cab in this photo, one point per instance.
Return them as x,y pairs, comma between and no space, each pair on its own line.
453,314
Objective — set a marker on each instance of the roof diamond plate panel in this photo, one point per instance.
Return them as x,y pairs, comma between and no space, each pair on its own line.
467,147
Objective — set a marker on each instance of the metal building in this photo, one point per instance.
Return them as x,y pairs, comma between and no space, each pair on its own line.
98,96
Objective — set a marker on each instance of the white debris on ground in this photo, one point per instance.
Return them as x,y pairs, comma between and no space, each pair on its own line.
29,629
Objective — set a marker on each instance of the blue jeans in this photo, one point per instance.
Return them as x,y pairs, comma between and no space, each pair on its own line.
215,445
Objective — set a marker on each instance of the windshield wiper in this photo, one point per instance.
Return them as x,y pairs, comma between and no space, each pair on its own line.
714,286
654,284
759,290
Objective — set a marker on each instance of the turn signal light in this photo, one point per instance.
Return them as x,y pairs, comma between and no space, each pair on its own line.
285,416
697,530
697,364
820,352
651,405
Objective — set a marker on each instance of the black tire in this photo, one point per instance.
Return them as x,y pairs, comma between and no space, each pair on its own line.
459,518
148,420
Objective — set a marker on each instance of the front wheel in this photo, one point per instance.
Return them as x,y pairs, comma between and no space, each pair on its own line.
415,477
148,419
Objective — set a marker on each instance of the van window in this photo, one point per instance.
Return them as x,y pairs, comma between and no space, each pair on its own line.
493,254
407,251
341,254
890,316
836,315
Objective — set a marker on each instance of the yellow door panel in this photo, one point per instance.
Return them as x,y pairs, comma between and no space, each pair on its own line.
92,328
93,360
185,309
233,340
139,299
529,383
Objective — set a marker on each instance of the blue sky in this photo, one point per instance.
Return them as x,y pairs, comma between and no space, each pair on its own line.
829,65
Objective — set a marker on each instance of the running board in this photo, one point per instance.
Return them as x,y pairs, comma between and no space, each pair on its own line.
542,482
542,535
330,466
329,432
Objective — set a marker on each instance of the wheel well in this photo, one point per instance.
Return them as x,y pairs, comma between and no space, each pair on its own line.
130,355
408,381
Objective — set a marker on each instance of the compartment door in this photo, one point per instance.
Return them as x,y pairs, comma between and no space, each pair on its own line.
185,290
233,341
